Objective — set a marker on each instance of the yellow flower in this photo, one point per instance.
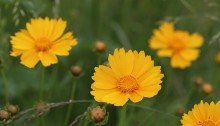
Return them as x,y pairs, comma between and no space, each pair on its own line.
203,114
130,75
179,45
42,41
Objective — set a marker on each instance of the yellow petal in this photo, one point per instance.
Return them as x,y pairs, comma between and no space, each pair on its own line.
195,41
139,61
121,99
111,97
178,62
126,61
187,121
151,74
99,94
167,28
104,74
114,62
49,27
146,66
16,52
29,58
33,29
165,53
149,91
157,44
47,58
135,97
105,85
22,41
190,54
153,79
62,46
60,26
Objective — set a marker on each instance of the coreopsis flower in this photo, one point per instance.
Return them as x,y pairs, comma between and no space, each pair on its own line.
179,45
130,75
203,114
43,41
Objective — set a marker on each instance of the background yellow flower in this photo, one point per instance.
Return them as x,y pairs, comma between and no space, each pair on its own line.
203,114
42,41
179,45
131,75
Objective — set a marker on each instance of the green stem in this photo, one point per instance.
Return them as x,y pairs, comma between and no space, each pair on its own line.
85,123
6,87
190,95
70,106
42,119
122,115
42,76
188,6
41,93
52,81
99,60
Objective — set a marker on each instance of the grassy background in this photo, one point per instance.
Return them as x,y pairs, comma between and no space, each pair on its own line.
120,23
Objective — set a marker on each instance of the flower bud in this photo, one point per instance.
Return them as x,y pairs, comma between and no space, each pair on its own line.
100,46
179,111
97,114
207,88
218,58
4,115
13,109
41,107
198,81
76,70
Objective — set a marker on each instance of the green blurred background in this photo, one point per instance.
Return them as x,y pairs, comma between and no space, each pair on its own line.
119,23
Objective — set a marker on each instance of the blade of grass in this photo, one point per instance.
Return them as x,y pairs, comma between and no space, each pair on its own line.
153,110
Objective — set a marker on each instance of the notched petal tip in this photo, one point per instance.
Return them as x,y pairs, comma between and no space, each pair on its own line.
13,54
29,66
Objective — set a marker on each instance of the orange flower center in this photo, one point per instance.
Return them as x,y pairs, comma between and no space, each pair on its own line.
43,44
207,123
127,84
176,44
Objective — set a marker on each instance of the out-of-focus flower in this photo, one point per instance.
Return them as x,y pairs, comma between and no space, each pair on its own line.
179,45
203,114
131,75
42,41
